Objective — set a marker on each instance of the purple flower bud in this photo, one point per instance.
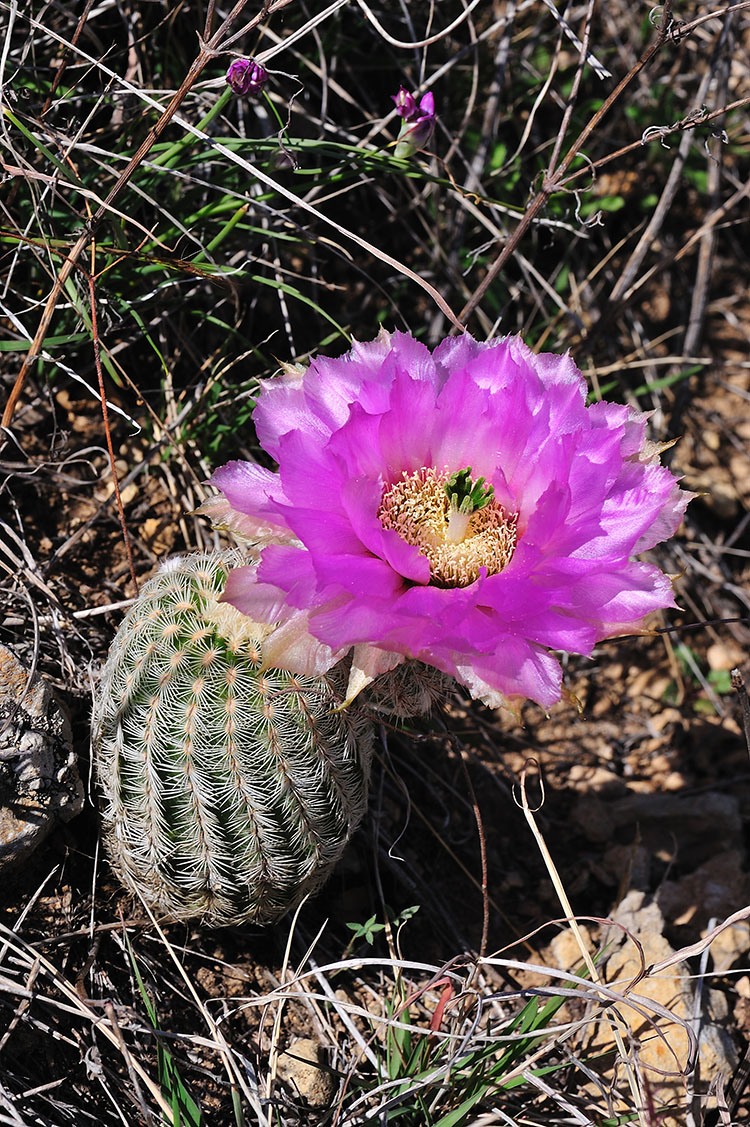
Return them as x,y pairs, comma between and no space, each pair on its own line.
418,124
405,103
245,76
282,160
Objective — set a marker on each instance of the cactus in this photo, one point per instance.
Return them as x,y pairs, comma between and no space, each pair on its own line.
410,690
230,790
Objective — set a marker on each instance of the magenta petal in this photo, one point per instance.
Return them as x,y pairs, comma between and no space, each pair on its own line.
291,570
262,602
615,602
254,491
466,429
325,533
361,500
364,576
517,670
307,471
405,432
427,104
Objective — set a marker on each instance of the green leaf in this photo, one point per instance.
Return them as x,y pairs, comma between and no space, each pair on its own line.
721,679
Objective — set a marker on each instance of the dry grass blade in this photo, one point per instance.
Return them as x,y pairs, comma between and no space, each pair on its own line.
199,64
38,964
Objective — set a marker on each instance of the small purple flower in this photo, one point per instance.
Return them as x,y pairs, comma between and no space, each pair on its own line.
405,104
245,76
418,123
462,507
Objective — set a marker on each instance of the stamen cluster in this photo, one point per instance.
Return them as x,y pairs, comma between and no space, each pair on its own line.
419,508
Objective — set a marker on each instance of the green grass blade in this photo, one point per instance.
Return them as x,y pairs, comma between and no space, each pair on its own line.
185,1110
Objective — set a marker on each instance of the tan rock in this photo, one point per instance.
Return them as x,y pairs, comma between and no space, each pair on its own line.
302,1068
600,779
730,946
564,952
724,656
742,986
665,717
159,534
662,1045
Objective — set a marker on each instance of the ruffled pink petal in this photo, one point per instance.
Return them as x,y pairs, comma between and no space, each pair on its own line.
614,602
666,521
360,499
405,430
291,646
365,577
255,492
465,431
256,592
517,670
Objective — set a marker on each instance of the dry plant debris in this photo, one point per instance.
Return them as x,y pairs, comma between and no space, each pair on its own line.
164,244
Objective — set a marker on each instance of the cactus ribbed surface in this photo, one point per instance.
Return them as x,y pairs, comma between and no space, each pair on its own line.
230,791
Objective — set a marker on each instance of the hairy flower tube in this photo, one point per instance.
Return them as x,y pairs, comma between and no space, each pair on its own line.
245,76
463,507
418,122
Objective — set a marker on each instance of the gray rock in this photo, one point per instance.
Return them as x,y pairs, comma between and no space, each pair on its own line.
39,781
688,828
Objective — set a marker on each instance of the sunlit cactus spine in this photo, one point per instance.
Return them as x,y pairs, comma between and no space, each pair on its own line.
230,790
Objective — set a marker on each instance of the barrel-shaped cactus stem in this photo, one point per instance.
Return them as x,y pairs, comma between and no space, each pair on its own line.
230,789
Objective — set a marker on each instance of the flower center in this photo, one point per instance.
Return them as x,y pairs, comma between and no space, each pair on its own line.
456,524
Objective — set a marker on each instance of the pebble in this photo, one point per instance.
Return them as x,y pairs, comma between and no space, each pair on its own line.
302,1068
724,656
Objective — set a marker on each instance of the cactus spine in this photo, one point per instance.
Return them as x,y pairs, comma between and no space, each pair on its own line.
230,790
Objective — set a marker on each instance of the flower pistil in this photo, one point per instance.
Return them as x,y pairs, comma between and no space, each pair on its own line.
465,497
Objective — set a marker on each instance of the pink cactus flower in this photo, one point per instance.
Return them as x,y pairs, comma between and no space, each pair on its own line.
463,507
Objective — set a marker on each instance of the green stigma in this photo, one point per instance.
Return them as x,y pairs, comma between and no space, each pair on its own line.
466,496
